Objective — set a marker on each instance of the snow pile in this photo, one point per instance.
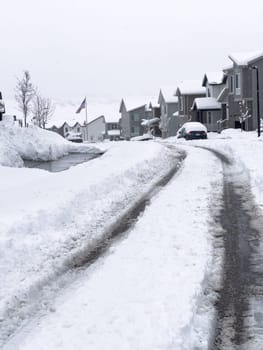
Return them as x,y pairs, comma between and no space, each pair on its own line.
33,143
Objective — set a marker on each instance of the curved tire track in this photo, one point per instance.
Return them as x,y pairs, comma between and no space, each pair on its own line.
236,326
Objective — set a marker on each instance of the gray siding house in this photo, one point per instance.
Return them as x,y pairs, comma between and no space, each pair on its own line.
187,92
209,109
168,120
112,131
242,89
131,119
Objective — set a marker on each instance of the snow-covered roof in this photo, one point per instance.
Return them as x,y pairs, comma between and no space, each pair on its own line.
245,58
148,122
191,87
206,104
168,95
214,78
134,102
228,67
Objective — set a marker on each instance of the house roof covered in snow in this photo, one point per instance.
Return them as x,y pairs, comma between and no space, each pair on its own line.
206,104
245,58
190,87
214,78
132,103
168,95
228,67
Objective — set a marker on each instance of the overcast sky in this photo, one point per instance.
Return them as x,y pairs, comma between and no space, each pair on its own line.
121,47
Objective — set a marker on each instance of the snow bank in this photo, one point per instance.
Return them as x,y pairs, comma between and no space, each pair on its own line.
34,143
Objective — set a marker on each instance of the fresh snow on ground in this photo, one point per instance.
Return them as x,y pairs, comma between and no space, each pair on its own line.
48,218
147,292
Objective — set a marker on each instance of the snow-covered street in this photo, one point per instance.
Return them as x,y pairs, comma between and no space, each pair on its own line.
155,286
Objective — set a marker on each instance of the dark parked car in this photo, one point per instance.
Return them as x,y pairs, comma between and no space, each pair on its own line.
192,131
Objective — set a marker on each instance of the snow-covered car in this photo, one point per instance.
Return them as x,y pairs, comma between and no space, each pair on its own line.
74,137
192,131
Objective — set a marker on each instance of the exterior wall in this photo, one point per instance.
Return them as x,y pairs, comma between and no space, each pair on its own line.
246,83
125,124
135,117
109,127
211,119
248,95
112,126
214,90
172,120
96,130
168,121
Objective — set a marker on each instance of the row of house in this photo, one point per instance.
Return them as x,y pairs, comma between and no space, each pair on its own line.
231,98
95,131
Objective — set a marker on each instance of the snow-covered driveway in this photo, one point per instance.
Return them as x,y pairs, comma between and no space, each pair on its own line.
146,291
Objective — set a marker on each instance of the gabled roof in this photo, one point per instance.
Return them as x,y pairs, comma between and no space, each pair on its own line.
214,78
167,97
245,58
190,87
95,120
133,103
206,104
228,67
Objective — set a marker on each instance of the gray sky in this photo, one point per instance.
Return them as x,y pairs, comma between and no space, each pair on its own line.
121,47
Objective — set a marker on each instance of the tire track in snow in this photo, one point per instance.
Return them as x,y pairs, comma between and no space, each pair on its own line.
239,321
39,299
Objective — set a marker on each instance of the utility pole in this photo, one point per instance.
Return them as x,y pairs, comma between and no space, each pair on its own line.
258,104
2,107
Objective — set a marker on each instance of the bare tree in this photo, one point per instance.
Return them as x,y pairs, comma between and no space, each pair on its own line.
25,92
43,109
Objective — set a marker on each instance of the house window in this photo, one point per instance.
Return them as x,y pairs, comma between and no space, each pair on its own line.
231,84
237,83
66,129
135,117
135,130
209,118
181,103
78,129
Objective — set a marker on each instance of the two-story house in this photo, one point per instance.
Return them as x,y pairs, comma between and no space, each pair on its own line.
243,97
209,109
187,91
168,107
112,131
132,118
